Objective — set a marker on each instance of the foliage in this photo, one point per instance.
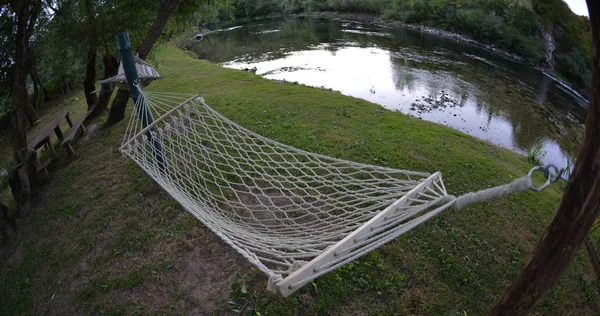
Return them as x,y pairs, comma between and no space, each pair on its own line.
572,36
245,301
573,66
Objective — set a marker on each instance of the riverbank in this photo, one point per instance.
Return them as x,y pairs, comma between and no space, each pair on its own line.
378,20
107,239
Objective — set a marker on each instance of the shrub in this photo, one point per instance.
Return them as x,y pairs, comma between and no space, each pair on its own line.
574,67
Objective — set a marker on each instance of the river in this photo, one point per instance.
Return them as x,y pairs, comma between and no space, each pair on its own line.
505,102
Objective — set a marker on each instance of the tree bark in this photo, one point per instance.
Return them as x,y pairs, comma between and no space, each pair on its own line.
30,111
24,178
111,67
117,109
36,90
576,213
8,225
164,12
36,78
89,82
8,221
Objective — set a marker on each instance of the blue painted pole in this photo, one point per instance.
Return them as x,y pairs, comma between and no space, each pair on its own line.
143,112
131,75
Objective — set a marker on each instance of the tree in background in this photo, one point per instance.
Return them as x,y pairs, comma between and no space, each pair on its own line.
183,10
23,180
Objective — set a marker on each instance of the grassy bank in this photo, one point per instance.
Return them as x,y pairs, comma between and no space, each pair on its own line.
106,239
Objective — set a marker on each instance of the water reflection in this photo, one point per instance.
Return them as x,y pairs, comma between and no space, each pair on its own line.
440,80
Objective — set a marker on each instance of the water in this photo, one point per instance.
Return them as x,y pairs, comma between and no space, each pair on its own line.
484,95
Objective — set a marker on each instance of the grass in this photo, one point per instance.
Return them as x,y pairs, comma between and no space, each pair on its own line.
106,239
535,154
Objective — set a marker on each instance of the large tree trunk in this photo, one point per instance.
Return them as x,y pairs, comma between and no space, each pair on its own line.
8,221
111,67
8,225
36,91
24,177
89,82
35,78
117,109
164,12
30,111
576,213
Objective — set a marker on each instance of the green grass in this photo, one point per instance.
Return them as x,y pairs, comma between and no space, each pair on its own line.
106,239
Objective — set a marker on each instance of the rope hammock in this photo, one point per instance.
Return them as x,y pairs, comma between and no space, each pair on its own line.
295,215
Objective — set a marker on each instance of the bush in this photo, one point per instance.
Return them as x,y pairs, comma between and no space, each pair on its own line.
251,8
291,6
315,5
574,67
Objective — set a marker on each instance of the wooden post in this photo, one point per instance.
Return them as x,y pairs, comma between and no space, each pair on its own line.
576,213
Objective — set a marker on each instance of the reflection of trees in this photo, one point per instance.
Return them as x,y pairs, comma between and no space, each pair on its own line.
403,77
498,93
249,41
421,60
408,74
531,115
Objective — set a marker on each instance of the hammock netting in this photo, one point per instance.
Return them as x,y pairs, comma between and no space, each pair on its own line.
293,214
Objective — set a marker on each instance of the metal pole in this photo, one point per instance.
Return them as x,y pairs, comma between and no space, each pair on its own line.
142,111
131,75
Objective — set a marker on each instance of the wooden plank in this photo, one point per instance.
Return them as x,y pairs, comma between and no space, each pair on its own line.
47,130
75,127
43,166
307,272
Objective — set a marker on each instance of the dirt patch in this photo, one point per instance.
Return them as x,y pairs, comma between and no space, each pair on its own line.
206,274
17,255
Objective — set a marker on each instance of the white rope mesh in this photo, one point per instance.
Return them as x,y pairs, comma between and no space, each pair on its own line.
280,207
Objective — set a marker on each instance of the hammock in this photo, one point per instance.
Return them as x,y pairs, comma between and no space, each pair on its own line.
295,215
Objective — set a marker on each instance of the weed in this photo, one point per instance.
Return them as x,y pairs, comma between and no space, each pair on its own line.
245,301
536,153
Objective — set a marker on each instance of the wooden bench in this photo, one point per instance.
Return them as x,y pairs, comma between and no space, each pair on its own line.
43,166
77,126
43,139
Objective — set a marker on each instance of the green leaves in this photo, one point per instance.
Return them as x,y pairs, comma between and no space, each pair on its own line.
245,302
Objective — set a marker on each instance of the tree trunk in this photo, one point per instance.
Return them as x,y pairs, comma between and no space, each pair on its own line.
24,177
111,67
36,91
8,221
8,225
117,109
30,111
576,213
89,82
36,78
164,12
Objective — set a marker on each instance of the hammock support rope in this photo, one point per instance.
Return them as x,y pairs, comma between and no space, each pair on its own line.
295,215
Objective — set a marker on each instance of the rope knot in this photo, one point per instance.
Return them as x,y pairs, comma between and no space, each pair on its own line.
273,280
